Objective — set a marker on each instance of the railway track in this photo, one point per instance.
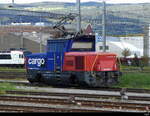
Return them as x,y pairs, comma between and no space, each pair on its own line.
22,75
36,107
12,75
90,102
61,103
103,96
26,83
28,101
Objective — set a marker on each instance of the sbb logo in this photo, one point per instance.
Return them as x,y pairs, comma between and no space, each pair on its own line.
38,61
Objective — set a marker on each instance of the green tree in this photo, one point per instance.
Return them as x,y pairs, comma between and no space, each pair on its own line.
126,52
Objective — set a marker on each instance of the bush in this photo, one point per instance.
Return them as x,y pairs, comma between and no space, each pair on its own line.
145,60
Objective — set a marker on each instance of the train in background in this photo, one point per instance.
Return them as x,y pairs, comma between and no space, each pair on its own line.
73,61
13,57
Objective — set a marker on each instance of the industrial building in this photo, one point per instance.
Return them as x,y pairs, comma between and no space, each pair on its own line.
118,44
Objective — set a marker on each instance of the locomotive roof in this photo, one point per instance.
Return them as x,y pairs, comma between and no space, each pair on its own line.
88,53
80,37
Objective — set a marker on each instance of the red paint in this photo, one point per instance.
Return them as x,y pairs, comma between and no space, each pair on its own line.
90,61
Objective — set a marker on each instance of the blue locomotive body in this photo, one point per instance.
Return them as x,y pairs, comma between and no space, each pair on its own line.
48,67
53,58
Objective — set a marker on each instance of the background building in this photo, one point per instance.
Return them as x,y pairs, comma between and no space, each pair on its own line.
118,44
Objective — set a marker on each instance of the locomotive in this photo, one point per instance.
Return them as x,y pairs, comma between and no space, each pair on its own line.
73,61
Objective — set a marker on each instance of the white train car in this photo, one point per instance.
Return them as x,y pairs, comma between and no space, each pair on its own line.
13,58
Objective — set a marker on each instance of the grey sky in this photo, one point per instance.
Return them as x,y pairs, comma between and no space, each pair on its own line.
108,1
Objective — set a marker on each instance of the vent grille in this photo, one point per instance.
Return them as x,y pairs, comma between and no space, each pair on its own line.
79,62
69,63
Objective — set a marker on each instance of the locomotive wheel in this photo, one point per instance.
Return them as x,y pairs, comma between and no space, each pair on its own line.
30,81
35,79
72,79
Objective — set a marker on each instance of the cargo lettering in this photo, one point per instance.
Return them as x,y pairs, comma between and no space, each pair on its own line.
38,61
